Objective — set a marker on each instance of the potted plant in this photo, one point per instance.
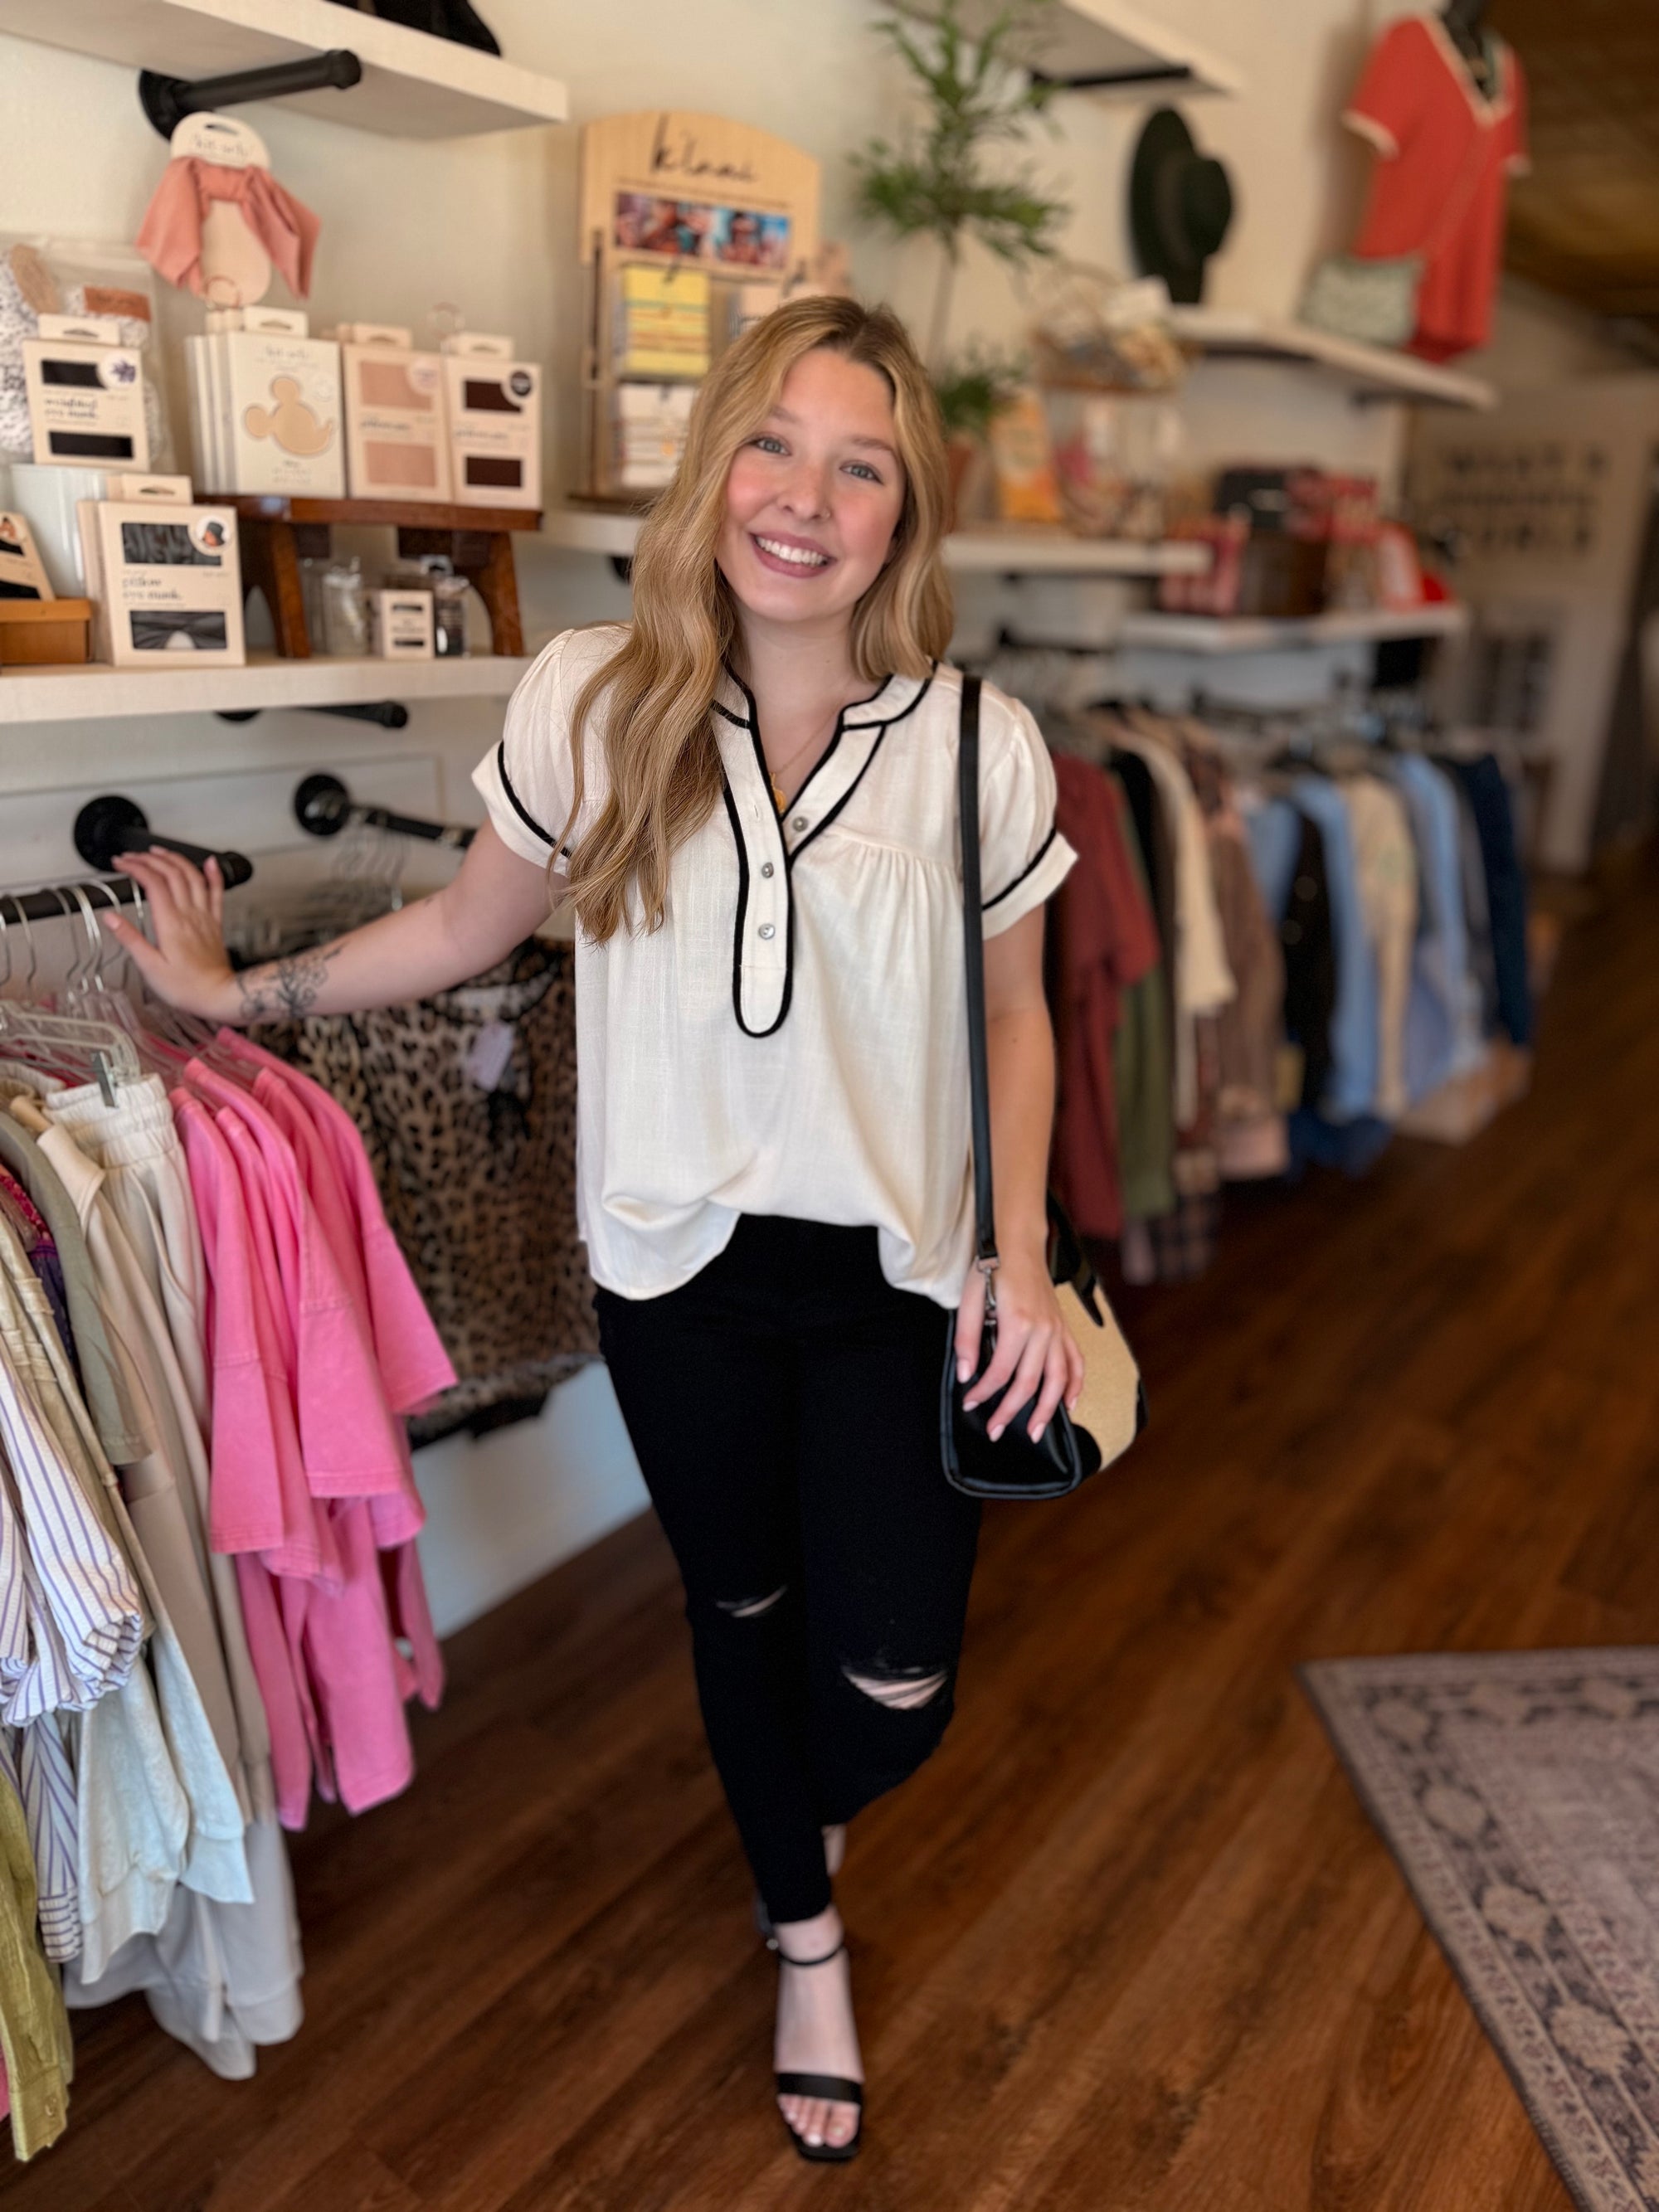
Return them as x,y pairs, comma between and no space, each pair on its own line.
972,390
978,93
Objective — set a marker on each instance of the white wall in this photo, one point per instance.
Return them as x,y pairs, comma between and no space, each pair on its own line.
489,224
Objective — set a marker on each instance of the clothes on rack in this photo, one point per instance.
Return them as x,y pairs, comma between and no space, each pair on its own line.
465,1105
1262,961
210,1600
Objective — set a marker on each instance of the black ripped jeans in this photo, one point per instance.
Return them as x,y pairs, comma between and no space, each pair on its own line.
784,1405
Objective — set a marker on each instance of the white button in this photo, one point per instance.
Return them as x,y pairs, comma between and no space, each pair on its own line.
767,930
800,822
766,868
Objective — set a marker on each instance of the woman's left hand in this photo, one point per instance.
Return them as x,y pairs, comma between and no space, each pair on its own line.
1036,1356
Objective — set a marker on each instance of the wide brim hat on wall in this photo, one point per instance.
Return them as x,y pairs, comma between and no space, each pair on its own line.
1181,204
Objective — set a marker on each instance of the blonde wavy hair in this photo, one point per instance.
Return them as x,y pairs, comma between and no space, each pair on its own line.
655,694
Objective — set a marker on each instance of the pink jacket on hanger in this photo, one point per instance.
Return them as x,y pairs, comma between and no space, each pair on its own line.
414,1365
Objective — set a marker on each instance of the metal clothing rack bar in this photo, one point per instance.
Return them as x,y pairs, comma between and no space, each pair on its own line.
1111,80
57,903
168,99
323,807
107,827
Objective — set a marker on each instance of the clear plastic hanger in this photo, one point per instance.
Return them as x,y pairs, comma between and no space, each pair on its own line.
40,1038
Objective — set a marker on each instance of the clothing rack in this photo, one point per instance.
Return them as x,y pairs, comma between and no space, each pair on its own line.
111,825
167,100
323,807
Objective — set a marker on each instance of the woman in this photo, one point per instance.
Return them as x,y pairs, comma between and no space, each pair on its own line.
747,795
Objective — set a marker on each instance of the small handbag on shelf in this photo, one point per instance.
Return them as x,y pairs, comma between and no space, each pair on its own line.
1111,1411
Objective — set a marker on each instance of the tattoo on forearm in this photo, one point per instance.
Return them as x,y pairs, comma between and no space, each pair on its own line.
287,987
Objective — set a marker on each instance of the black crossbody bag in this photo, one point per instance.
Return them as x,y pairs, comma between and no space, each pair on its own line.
1112,1408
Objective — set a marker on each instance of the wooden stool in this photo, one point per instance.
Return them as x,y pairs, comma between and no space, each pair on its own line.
276,533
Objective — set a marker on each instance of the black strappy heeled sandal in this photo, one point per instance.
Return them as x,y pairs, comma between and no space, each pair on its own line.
834,2088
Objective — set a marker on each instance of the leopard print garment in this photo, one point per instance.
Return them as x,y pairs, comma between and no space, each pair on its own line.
478,1184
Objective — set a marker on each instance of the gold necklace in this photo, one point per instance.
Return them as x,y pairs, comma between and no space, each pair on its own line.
779,799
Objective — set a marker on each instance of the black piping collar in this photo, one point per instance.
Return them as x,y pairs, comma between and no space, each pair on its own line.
876,732
880,730
741,926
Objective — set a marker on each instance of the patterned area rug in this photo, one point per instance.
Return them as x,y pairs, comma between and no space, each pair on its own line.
1520,1795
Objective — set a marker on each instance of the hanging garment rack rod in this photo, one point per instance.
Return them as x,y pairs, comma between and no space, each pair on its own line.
168,99
1112,80
107,827
57,901
323,807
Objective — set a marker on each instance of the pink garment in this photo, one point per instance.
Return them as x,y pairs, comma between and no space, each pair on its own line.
260,1500
170,237
352,1444
414,1365
289,1709
325,1638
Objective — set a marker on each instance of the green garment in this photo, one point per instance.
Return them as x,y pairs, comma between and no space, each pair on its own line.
34,2032
1142,1076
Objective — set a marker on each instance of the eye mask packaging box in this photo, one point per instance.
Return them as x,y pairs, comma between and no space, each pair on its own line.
167,580
284,415
401,626
86,401
266,412
396,437
494,410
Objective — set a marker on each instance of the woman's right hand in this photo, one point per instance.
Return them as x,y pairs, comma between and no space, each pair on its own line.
187,965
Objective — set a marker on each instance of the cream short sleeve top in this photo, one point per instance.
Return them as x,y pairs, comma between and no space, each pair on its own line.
794,1039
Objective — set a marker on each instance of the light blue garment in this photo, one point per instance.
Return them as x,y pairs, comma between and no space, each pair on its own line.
1442,1025
1274,829
1356,1019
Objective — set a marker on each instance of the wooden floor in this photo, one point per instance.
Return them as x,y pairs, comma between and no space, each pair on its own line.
1128,1942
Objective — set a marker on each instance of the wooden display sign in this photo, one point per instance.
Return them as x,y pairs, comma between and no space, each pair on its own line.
680,186
693,227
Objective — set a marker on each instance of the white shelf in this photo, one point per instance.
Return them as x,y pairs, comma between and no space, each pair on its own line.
91,693
414,86
1128,54
1009,550
1214,633
1375,373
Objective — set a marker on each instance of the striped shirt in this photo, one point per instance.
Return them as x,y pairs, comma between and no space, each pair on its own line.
71,1618
36,1762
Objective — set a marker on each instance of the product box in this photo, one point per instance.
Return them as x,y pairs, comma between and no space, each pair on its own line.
22,572
397,439
265,408
168,580
662,322
85,404
400,625
651,421
1023,457
494,412
282,415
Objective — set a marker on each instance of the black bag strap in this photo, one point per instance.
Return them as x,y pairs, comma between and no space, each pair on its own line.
973,951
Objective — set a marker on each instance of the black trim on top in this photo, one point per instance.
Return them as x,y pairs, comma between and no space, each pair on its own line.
518,806
740,931
743,902
1035,862
880,730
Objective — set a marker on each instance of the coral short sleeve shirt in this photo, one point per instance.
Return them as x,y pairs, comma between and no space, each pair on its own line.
1445,153
794,1039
